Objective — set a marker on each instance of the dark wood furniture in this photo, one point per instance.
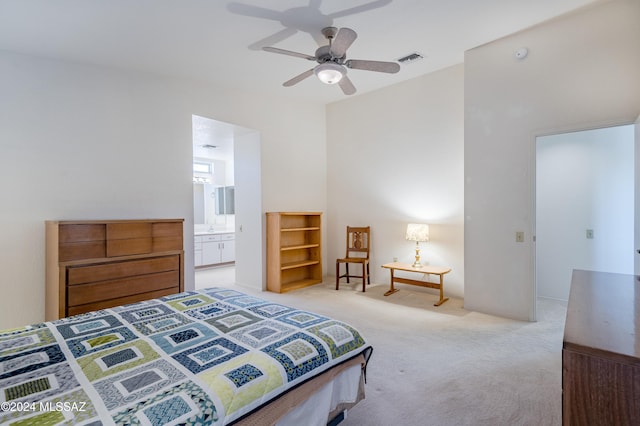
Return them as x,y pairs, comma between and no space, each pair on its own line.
601,350
426,270
358,247
92,265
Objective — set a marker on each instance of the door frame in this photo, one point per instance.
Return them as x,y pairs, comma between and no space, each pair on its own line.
636,231
571,129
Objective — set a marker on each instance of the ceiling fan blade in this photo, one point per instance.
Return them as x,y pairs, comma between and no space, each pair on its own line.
289,53
297,79
346,85
344,39
378,66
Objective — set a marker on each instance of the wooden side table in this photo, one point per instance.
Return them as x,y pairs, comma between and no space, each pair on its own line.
430,270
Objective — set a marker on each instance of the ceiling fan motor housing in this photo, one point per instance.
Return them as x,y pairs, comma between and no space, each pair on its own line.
329,32
323,54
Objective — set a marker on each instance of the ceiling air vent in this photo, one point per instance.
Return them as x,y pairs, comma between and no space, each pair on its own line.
412,57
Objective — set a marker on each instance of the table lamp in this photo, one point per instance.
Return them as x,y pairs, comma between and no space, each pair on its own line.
417,232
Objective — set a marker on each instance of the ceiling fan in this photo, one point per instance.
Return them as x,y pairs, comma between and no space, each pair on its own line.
332,61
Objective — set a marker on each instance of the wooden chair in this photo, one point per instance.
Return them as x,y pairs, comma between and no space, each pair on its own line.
358,243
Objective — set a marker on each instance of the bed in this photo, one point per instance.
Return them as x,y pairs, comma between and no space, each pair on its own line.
213,356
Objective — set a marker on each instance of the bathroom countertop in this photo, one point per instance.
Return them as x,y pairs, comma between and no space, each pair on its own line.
215,232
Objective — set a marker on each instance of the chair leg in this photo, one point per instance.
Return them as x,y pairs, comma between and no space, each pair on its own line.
368,275
365,273
346,265
337,275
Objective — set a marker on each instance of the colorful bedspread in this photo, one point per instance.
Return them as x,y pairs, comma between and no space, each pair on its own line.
202,357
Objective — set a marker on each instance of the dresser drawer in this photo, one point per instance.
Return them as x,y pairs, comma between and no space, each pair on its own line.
124,239
81,241
167,229
116,270
167,236
110,303
73,233
81,250
112,289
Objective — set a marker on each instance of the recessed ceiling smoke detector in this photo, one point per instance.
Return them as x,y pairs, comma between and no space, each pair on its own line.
412,57
521,53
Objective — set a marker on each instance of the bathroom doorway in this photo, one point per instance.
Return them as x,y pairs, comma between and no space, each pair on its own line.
227,197
213,175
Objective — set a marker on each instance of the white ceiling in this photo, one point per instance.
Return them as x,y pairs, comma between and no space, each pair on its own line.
213,132
219,41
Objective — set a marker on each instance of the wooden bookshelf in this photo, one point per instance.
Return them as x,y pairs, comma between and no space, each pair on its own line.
294,250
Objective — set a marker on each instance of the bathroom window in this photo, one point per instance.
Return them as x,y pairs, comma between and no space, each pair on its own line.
206,168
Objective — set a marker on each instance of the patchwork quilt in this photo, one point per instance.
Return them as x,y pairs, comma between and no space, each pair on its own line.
200,357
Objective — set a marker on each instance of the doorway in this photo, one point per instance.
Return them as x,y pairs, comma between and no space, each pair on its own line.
231,192
213,175
584,206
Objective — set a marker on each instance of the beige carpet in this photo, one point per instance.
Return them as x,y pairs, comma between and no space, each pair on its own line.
444,365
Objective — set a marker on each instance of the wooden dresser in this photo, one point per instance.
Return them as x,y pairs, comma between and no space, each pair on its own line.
93,265
601,350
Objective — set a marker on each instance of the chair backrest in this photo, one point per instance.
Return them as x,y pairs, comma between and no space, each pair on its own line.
358,241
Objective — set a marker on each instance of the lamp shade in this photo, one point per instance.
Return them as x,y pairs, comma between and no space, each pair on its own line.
329,72
417,232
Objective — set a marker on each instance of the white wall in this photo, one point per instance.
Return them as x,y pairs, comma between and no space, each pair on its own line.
248,199
584,180
87,142
582,72
395,156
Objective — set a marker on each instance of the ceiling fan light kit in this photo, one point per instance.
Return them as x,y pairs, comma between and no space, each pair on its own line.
332,60
329,72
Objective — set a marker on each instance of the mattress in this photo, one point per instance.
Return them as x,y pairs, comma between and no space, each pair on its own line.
213,356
